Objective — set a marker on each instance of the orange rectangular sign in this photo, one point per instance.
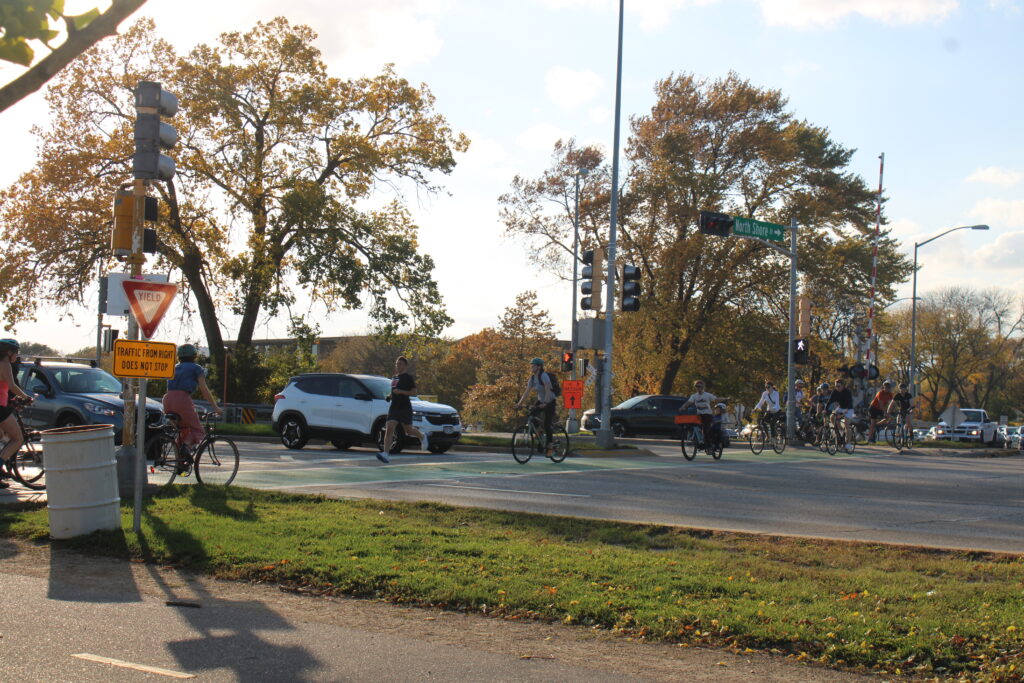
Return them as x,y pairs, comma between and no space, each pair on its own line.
144,359
572,393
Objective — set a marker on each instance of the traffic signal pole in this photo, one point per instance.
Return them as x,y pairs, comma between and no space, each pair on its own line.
604,434
790,365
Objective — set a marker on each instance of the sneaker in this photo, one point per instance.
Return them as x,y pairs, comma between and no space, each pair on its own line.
424,441
383,457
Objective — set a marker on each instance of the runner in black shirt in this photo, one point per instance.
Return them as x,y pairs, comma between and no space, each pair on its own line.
403,385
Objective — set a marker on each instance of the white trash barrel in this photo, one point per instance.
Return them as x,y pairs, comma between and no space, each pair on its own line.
81,480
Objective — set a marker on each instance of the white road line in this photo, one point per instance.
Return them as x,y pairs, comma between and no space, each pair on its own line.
130,665
487,488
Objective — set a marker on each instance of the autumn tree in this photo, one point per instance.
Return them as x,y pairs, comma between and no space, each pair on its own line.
278,165
25,22
722,145
524,332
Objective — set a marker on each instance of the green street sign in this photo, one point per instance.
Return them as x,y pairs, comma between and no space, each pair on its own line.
748,227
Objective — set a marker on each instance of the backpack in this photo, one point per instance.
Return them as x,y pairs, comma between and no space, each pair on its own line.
556,388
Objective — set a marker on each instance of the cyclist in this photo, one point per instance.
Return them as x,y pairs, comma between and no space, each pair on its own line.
545,403
9,390
840,401
878,408
801,401
701,401
770,400
188,376
902,401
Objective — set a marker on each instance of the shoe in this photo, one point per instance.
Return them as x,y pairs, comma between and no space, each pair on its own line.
424,441
383,457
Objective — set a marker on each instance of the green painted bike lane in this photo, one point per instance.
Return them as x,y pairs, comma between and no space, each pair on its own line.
368,471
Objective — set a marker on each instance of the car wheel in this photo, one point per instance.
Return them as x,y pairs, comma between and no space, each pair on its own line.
396,447
619,428
341,445
294,433
439,448
68,421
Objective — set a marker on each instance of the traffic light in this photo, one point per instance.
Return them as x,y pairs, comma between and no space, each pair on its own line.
582,367
801,352
109,337
567,361
152,134
593,277
712,223
629,292
124,219
804,309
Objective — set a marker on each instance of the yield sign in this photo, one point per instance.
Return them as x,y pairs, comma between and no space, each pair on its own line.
149,301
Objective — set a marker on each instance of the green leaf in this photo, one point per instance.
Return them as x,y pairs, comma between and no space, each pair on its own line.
82,20
18,52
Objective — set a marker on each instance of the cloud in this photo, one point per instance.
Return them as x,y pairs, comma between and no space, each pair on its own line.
803,68
996,176
541,137
568,88
1003,212
1006,252
809,13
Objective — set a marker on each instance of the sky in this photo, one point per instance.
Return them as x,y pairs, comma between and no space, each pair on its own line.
935,85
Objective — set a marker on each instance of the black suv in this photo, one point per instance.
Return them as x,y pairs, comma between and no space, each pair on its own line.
647,415
70,394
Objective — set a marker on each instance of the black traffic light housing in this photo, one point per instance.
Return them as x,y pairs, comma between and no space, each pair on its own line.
713,223
151,134
801,352
629,298
567,361
593,277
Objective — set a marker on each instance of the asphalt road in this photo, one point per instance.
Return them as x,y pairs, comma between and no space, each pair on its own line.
875,495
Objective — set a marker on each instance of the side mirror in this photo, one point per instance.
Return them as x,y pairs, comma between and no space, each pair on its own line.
42,389
363,397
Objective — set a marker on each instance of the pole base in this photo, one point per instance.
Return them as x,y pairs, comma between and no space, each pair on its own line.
604,438
572,426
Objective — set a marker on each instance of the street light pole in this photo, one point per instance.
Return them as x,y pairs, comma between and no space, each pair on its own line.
913,313
573,425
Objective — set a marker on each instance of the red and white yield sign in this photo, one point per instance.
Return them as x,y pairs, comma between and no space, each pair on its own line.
149,301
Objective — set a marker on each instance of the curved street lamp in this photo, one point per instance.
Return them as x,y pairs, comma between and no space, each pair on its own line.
913,314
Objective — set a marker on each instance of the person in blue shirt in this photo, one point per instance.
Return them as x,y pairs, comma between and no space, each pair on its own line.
188,376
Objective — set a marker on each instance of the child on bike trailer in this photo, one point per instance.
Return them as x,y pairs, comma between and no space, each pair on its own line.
188,376
716,432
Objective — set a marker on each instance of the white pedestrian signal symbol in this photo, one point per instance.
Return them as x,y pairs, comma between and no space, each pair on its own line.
800,345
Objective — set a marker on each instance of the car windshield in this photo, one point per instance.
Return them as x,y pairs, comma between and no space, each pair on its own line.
630,402
380,387
972,415
86,381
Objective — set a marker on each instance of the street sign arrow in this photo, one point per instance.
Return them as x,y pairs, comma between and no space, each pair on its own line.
149,301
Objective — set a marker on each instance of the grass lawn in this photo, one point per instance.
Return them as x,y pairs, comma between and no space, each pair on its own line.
932,613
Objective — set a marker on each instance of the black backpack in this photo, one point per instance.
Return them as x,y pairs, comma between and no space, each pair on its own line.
556,388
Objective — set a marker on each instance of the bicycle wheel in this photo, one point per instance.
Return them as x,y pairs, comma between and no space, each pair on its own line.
524,444
689,443
778,438
891,436
28,466
829,440
715,450
166,462
758,438
559,444
849,445
217,462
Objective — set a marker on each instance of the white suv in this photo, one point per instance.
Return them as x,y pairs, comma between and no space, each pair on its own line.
350,410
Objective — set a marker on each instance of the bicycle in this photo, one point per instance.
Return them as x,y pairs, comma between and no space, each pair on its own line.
529,439
770,429
899,435
28,469
213,461
834,437
693,435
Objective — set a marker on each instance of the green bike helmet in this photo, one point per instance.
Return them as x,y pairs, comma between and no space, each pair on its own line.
187,351
537,361
9,345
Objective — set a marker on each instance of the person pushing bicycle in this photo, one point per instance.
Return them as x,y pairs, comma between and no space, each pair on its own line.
540,383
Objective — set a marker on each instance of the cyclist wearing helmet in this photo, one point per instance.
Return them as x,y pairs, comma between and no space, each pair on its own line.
818,401
545,403
188,376
9,390
879,406
903,402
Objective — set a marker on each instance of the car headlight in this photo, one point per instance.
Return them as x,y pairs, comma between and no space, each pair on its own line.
99,409
418,414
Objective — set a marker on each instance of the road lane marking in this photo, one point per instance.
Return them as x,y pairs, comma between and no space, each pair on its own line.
488,488
131,665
